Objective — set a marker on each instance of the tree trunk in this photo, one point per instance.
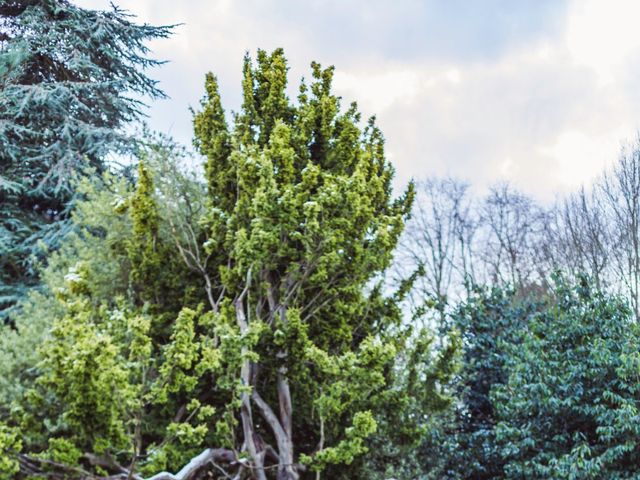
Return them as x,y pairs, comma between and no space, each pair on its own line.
245,409
286,469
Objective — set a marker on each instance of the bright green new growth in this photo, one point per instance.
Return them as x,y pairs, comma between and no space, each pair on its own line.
146,262
241,321
301,207
10,446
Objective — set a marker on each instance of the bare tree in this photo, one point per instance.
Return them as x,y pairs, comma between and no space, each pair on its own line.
438,239
620,188
510,226
578,236
458,240
508,237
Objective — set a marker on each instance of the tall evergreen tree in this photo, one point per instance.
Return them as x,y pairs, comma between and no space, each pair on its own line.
302,209
70,81
274,352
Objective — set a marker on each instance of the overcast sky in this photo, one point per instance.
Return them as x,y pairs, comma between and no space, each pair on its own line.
541,93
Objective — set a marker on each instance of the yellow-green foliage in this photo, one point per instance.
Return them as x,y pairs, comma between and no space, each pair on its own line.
143,248
82,366
274,260
10,445
347,449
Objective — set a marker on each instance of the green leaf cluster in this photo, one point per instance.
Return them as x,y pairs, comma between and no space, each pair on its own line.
570,406
547,389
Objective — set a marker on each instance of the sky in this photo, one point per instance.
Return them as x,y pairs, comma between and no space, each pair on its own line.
539,93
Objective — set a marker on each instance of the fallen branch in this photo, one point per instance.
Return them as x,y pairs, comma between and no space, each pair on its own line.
34,466
210,455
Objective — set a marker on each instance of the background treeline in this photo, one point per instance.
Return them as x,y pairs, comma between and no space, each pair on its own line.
281,313
506,237
546,300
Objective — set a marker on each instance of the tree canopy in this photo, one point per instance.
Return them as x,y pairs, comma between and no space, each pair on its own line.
569,407
71,79
242,318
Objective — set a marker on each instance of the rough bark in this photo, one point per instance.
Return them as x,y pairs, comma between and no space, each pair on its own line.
286,468
245,409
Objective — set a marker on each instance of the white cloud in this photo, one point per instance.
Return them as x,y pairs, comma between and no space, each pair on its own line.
603,35
541,96
580,157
